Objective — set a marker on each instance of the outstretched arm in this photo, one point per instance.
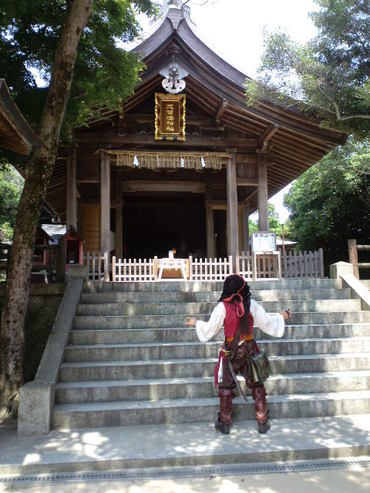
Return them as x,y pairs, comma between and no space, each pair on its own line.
206,330
270,323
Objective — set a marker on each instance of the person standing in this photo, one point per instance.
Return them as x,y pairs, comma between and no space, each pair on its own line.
238,313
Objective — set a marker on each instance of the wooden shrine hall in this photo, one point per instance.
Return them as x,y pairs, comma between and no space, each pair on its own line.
184,161
16,135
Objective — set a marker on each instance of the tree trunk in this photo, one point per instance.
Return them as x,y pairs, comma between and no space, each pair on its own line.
38,173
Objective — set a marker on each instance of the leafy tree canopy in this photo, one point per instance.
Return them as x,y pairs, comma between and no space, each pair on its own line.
274,221
330,73
330,202
11,184
104,73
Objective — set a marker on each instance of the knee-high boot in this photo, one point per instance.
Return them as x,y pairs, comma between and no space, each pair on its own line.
226,398
260,404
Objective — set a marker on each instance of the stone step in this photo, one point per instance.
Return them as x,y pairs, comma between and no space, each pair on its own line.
199,387
184,450
195,308
149,321
202,367
128,413
213,296
174,350
118,336
191,286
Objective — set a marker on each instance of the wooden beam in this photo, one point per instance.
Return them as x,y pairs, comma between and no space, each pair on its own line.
105,207
232,208
196,120
88,180
262,199
251,195
219,205
266,136
209,222
119,213
245,213
126,139
247,182
163,186
71,196
221,110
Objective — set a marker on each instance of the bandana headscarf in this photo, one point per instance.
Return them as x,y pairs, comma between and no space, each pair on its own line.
237,299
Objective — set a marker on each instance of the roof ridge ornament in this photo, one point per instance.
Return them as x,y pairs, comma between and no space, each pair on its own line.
176,5
173,77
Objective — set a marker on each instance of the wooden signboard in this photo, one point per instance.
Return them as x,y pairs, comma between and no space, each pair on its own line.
263,242
169,116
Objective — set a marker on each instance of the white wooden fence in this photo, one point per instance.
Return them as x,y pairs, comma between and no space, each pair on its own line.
210,269
134,270
250,266
244,265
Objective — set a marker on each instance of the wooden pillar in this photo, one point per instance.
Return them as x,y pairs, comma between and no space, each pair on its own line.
245,228
262,199
119,215
240,226
353,257
105,208
232,208
210,222
71,206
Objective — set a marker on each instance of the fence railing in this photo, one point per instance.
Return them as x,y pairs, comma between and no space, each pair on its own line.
244,265
271,265
134,270
210,269
266,265
98,266
303,264
353,250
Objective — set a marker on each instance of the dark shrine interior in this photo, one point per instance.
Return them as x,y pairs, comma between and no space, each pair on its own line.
154,225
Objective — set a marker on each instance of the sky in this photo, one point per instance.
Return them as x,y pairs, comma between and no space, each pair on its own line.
236,33
234,29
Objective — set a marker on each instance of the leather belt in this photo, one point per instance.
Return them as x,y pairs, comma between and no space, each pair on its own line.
242,338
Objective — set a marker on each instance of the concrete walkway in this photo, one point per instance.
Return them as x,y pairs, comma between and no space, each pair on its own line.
192,457
192,444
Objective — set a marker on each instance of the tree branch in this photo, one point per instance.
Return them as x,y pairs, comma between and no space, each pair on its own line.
336,111
349,117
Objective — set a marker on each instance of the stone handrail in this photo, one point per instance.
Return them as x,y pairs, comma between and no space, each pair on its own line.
345,272
36,398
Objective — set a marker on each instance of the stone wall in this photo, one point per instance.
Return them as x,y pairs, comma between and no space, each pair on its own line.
42,309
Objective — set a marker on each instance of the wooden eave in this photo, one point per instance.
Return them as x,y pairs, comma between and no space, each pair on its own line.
290,140
15,133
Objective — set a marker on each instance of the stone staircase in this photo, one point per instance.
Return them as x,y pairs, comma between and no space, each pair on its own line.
131,361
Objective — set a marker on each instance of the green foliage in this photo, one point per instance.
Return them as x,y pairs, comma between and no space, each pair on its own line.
330,73
330,202
274,223
104,73
252,226
11,184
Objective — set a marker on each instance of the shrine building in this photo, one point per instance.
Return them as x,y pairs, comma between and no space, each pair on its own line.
184,161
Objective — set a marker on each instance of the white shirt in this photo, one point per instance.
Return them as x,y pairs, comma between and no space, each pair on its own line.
270,323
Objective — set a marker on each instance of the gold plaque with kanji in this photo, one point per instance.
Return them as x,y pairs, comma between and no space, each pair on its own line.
169,116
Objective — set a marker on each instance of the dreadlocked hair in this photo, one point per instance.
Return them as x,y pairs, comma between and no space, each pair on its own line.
233,284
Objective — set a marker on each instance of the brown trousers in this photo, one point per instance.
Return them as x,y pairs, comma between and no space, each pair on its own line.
226,387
